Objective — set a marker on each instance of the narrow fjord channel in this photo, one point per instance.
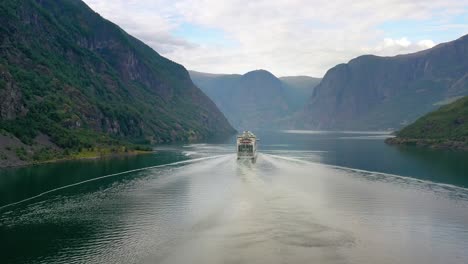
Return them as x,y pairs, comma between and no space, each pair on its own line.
322,197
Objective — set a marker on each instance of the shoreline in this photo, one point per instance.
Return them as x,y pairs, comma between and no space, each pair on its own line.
439,144
78,157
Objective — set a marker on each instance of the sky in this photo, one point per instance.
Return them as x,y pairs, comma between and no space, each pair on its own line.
285,37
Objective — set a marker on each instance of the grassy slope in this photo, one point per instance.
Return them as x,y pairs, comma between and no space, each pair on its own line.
447,126
86,83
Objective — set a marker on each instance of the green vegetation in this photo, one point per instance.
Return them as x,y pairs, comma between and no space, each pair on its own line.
82,81
46,153
445,127
22,154
449,122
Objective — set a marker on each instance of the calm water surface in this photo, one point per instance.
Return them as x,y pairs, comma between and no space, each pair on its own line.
312,197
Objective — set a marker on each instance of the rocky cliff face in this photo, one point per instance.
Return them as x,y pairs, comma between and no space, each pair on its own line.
12,104
65,70
372,92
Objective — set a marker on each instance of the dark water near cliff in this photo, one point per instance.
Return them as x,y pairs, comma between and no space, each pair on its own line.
312,197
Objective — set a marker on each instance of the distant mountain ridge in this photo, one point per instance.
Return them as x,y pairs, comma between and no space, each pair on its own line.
372,92
299,89
257,99
70,74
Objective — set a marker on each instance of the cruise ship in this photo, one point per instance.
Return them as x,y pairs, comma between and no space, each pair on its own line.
247,146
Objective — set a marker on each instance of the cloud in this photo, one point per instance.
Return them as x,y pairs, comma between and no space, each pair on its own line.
287,37
403,45
140,19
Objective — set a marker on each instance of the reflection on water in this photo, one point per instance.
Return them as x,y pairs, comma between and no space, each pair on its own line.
367,151
20,183
286,208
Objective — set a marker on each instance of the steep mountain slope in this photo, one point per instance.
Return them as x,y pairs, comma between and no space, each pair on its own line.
257,99
217,86
372,92
298,89
70,74
445,127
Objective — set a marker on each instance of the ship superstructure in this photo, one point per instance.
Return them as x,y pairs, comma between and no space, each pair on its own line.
247,146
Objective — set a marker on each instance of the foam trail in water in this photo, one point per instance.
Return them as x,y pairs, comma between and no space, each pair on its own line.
370,173
108,176
255,221
278,210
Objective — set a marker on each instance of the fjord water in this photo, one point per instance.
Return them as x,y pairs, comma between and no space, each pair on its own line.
312,197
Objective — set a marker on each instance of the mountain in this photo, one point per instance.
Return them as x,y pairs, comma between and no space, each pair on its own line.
372,92
257,99
249,101
446,127
299,89
79,80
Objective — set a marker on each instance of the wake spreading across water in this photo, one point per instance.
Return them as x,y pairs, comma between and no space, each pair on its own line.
104,177
279,210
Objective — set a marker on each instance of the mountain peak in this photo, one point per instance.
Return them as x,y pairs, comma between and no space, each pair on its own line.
257,99
373,92
260,72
